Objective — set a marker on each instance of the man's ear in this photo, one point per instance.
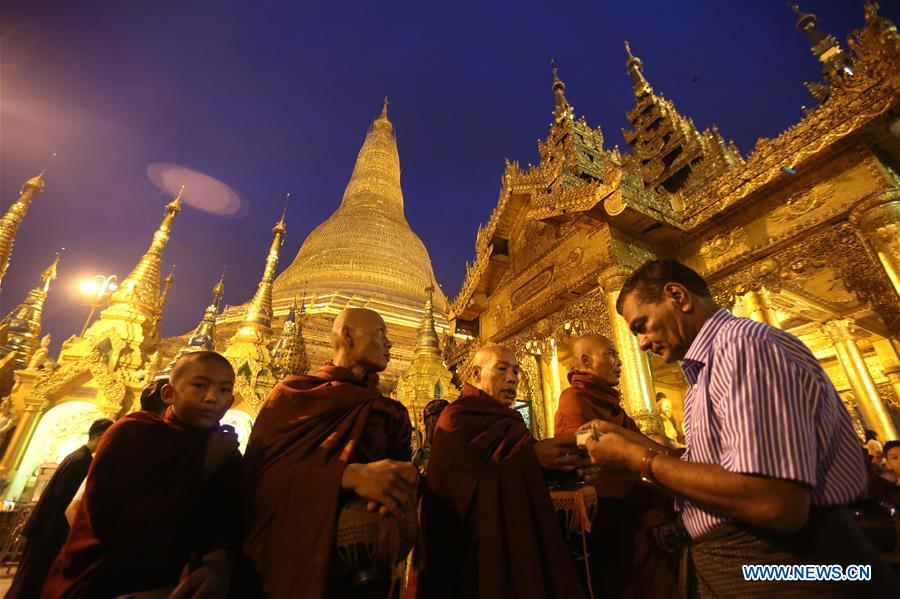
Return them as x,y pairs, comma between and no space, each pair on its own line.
347,335
476,373
679,297
167,393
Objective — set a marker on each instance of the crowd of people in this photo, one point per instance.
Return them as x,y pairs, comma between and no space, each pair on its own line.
770,465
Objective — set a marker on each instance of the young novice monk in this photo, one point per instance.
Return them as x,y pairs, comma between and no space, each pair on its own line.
160,503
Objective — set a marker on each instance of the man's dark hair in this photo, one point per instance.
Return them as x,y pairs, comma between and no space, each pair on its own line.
889,446
430,415
98,427
210,356
649,280
870,435
151,397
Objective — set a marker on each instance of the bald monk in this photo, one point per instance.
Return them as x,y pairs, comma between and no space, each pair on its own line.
625,560
160,504
317,441
489,528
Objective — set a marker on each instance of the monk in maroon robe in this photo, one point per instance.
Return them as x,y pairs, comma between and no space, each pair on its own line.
159,508
625,560
489,528
317,441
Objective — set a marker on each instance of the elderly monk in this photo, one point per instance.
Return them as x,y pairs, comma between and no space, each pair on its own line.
625,561
317,440
488,525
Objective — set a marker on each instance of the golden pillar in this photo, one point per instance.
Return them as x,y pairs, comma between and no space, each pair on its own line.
864,389
878,219
21,438
757,304
637,387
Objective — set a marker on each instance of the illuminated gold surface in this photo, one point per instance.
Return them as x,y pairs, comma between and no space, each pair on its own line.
427,378
289,354
9,224
865,391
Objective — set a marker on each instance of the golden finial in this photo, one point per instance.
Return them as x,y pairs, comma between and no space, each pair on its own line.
561,107
49,273
170,278
280,226
175,205
635,69
219,289
384,109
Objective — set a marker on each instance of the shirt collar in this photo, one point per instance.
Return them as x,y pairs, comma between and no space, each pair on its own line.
698,353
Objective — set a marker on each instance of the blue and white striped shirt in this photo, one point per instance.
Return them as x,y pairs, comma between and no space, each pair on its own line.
760,403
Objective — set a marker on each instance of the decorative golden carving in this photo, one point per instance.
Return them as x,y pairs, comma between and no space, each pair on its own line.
538,282
803,202
9,224
722,244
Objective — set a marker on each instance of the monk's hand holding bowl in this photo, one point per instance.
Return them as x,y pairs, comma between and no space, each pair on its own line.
388,485
557,453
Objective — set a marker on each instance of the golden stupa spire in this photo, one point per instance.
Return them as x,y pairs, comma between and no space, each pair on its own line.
257,324
289,356
378,164
9,224
825,47
426,338
204,336
23,325
561,108
635,68
140,289
156,328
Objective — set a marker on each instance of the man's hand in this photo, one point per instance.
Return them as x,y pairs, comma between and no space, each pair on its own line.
557,453
614,453
222,444
210,580
390,486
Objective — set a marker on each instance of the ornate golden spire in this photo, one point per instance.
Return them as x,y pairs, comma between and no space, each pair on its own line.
257,325
23,325
204,336
835,62
427,377
9,224
427,339
561,107
289,356
156,327
635,68
140,290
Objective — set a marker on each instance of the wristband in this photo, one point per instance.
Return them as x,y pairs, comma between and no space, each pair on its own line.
647,466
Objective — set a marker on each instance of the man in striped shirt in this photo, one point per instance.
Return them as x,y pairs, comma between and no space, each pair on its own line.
771,458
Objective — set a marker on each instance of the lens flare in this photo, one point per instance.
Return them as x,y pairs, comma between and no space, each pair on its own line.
201,191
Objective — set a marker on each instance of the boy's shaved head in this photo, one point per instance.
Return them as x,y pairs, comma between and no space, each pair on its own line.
184,361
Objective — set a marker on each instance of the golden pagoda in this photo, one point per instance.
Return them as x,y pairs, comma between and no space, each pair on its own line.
20,330
9,224
248,350
289,354
97,375
203,337
427,378
802,234
363,255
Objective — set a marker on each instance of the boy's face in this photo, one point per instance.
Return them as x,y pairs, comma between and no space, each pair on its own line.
202,393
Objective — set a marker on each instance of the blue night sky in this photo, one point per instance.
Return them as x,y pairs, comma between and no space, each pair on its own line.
276,97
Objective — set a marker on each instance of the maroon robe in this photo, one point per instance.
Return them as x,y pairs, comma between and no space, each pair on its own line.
489,528
625,561
146,511
307,432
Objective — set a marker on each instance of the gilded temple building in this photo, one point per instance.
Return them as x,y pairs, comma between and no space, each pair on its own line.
363,255
801,233
98,374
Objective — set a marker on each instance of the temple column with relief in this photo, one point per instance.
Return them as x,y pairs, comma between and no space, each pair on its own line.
15,450
638,393
758,306
872,408
877,218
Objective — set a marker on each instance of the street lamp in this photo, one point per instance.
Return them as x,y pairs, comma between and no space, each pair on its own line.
97,290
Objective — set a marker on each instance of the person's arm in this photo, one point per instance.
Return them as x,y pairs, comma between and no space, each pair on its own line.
771,503
766,415
72,508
